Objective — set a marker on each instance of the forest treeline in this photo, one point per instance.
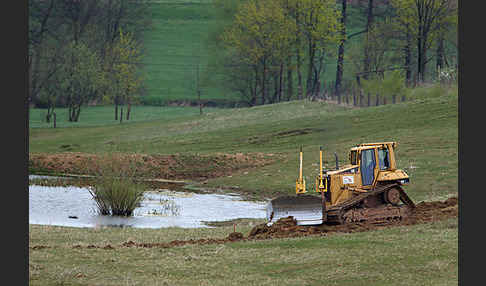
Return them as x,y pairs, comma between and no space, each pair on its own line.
277,50
91,51
84,51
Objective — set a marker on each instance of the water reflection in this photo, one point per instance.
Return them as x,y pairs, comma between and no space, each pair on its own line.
55,206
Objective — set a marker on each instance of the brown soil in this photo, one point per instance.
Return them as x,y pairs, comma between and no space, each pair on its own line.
287,227
195,167
424,212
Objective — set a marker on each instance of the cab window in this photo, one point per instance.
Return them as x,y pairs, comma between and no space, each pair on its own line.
353,158
383,158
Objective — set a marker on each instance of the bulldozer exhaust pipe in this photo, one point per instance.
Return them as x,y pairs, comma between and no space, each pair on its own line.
337,163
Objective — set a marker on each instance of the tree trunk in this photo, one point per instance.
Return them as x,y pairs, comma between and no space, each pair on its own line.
264,79
361,98
297,43
48,115
116,108
121,114
72,112
275,89
199,100
440,54
408,57
339,69
309,83
54,114
422,55
290,87
299,77
419,60
366,64
128,110
254,91
77,110
280,78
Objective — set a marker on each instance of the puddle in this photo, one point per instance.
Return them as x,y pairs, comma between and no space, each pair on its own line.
74,207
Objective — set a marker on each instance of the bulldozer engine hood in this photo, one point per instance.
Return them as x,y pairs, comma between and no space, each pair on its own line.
396,175
345,169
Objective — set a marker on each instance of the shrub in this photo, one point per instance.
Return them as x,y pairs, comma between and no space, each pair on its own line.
116,191
117,196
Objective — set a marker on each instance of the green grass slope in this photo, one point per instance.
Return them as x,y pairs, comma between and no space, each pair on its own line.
178,42
175,46
425,128
424,254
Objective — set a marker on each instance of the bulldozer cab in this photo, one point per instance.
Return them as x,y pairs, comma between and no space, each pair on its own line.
371,158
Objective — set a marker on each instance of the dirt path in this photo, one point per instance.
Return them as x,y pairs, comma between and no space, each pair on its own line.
287,227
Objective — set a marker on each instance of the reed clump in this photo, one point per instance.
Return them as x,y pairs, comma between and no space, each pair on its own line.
116,191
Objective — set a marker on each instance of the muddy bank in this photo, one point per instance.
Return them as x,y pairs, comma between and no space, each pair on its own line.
194,167
287,227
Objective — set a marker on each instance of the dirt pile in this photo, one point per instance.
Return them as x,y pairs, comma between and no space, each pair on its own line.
424,212
159,166
433,211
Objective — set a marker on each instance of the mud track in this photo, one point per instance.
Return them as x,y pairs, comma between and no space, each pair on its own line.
423,213
287,227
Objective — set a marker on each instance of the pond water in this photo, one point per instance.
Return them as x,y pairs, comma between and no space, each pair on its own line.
74,207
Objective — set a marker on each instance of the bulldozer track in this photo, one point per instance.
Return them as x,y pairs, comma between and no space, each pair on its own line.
342,213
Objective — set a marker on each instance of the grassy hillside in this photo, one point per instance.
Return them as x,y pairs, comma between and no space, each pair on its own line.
423,254
426,129
175,46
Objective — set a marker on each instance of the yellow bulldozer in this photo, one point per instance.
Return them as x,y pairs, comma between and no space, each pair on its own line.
368,188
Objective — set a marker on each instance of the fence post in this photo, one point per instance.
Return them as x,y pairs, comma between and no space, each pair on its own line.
377,102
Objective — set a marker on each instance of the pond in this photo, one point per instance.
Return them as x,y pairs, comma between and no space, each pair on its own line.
75,207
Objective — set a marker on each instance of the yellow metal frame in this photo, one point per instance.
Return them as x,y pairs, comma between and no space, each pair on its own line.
321,182
300,182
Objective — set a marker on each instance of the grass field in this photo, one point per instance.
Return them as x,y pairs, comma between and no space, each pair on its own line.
426,128
175,46
92,116
178,42
424,254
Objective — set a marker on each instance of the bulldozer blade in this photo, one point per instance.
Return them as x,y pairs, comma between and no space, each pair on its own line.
305,209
